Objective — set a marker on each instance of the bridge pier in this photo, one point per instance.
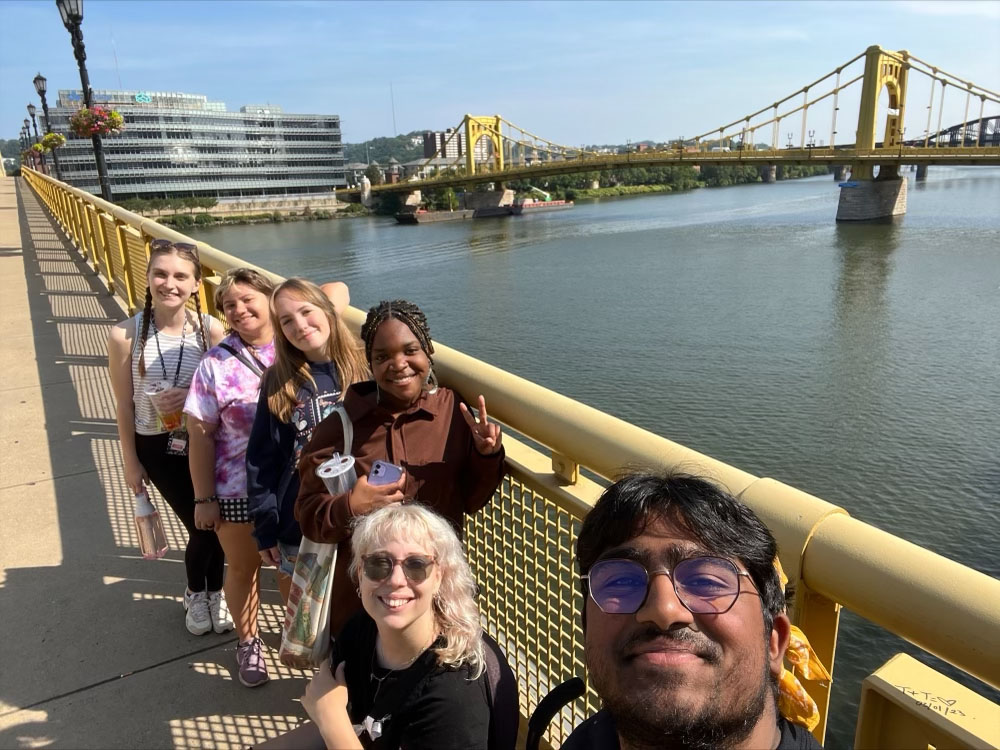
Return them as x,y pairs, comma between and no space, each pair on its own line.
410,203
490,202
768,173
863,200
840,172
921,172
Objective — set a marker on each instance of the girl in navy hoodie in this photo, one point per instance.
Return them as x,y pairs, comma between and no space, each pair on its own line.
316,359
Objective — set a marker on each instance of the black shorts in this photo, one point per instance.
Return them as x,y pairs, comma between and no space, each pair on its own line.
234,509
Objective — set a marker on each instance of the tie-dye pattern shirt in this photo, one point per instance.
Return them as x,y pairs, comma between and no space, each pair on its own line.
224,392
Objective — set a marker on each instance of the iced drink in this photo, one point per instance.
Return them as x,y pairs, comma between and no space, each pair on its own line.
337,474
171,420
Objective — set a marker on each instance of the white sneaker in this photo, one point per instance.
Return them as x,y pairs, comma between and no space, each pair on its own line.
199,618
219,612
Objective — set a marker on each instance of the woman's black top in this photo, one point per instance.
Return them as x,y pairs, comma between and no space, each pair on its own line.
423,706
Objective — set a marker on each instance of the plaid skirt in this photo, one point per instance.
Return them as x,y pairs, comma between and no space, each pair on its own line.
234,509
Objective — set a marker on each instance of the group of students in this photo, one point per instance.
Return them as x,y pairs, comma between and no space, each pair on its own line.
410,654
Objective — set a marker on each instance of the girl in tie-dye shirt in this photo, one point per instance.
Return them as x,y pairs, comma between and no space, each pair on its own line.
221,405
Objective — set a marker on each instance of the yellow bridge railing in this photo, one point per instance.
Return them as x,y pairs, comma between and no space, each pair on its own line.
521,546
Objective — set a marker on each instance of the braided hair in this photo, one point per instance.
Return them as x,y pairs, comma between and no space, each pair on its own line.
189,253
201,321
147,313
403,311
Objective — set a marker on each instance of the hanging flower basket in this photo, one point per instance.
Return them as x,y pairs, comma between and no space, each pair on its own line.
38,148
96,121
52,141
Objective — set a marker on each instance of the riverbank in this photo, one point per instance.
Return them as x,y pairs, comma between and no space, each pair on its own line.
186,221
622,190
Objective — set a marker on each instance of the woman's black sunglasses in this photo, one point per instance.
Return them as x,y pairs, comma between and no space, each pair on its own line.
379,566
160,245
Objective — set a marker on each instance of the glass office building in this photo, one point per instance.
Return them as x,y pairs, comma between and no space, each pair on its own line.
184,145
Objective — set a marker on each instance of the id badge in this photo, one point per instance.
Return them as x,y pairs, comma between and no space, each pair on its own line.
177,443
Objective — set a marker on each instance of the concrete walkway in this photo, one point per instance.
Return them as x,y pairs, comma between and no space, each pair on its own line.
95,653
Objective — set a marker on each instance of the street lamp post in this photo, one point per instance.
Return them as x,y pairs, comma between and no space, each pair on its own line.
40,87
27,139
34,123
71,12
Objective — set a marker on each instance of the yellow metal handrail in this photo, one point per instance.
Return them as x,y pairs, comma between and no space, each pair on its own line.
521,546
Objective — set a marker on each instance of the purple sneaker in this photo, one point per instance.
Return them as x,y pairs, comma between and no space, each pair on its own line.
253,670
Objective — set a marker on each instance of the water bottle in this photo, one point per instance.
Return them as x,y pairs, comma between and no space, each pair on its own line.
152,539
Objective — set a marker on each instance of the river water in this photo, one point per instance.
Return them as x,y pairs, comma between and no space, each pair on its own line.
856,362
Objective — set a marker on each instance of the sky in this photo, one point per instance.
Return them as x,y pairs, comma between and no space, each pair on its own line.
573,72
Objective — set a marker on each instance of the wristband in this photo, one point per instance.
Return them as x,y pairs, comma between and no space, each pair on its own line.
203,500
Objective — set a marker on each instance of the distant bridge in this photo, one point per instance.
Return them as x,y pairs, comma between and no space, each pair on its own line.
513,153
982,132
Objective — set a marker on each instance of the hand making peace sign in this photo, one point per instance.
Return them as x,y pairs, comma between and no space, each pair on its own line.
486,434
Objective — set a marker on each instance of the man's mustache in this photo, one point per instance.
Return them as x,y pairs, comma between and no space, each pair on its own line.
698,644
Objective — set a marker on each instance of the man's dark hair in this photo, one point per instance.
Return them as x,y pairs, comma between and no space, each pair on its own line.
715,519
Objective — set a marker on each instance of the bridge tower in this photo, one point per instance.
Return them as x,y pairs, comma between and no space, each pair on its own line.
476,128
867,197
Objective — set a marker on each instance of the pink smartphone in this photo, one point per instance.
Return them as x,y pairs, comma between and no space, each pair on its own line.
384,472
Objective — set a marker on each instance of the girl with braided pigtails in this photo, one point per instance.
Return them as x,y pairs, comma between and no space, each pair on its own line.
452,462
165,342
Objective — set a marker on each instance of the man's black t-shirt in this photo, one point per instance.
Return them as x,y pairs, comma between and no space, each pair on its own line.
599,733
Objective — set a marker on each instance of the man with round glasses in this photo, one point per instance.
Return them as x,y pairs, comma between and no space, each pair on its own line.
684,620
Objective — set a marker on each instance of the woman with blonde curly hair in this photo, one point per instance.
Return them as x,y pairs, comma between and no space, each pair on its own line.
413,663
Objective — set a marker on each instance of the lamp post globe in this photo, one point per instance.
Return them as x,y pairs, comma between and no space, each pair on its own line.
71,13
31,109
40,84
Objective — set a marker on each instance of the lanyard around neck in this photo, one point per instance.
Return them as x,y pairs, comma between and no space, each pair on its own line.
180,354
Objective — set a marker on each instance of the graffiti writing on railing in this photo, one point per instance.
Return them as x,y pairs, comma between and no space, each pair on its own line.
943,706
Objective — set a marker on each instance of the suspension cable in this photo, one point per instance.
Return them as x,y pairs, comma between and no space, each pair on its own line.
937,138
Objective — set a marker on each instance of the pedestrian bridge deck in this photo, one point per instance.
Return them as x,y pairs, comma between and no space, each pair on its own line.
97,632
95,653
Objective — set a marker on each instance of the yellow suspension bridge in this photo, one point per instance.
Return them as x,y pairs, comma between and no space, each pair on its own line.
498,151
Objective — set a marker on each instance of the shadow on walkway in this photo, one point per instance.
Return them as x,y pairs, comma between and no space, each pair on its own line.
95,653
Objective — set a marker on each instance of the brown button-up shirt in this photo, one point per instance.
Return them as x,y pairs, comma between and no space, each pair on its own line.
430,440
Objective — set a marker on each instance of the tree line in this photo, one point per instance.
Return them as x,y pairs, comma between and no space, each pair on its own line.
630,181
144,205
667,179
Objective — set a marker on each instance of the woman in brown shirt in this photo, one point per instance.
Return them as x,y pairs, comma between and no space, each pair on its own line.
451,461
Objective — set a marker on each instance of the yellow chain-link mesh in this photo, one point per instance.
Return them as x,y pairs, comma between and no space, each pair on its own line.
520,548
